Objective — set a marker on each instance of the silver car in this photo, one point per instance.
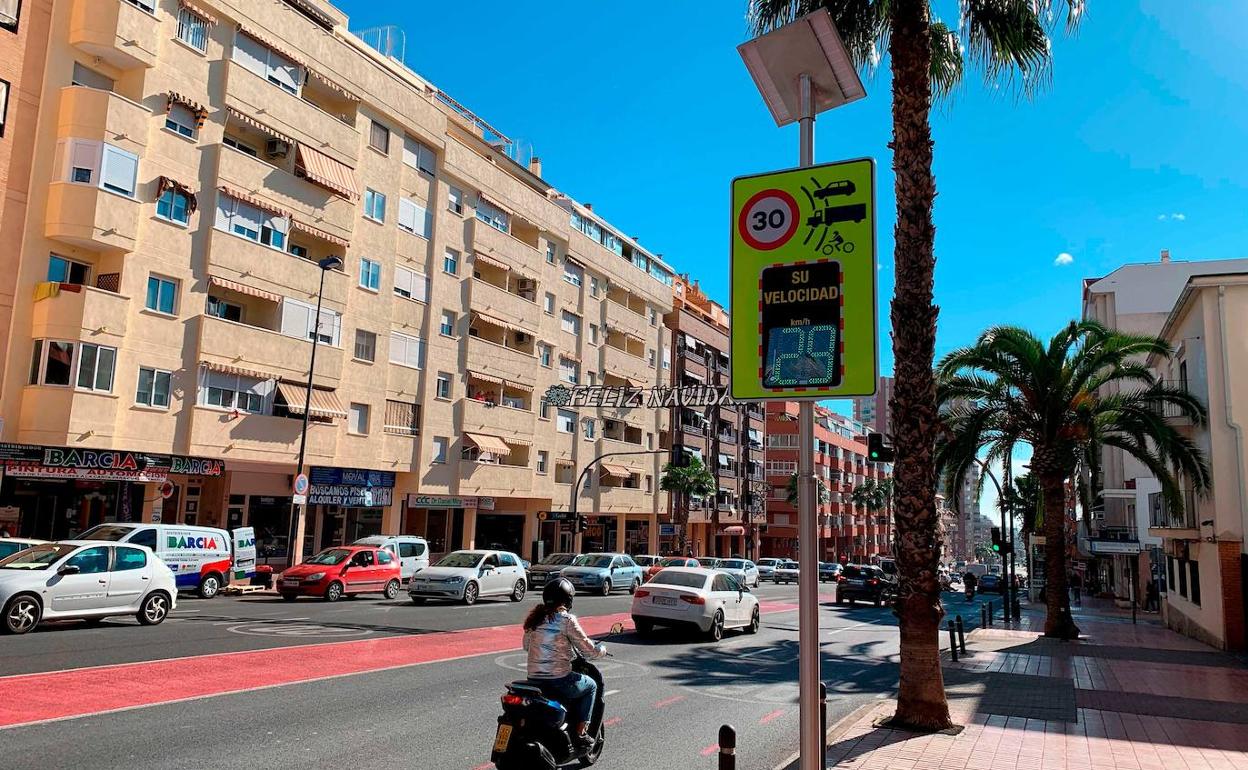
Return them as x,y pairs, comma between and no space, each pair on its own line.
742,569
602,573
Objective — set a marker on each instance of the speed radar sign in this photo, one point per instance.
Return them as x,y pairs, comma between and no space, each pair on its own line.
768,219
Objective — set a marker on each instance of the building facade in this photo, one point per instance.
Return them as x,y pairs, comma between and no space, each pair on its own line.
203,177
875,412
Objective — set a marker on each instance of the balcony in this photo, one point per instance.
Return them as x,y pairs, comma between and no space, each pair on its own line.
507,363
309,203
259,437
625,500
726,437
506,248
95,219
122,34
293,116
496,301
619,363
624,320
1164,521
64,416
81,313
103,116
495,420
254,264
267,351
494,480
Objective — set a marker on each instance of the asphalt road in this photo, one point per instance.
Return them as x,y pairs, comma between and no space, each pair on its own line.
667,695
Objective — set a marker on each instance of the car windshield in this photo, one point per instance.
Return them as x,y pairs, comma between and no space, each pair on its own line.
330,556
460,559
732,564
106,532
682,579
889,567
558,558
707,561
592,560
788,565
674,561
38,557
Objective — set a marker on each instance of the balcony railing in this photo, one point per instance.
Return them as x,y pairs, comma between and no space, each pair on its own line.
1163,516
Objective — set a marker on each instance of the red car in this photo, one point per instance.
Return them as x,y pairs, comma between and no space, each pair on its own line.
671,561
347,569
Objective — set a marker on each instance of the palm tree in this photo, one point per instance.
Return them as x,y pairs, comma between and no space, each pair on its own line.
874,496
1067,400
686,481
1009,39
823,497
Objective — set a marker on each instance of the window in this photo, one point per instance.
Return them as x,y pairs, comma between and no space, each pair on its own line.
543,354
365,345
62,270
85,76
384,557
145,537
589,428
417,155
565,421
374,205
415,218
543,410
95,367
147,5
227,310
548,303
192,29
180,120
455,199
649,483
410,284
450,262
370,274
243,219
161,294
153,388
299,320
407,351
550,252
569,371
667,357
240,145
298,251
174,206
379,137
89,162
444,385
1195,569
593,334
1183,577
543,460
357,419
594,286
650,357
570,323
231,391
564,473
1170,573
255,56
93,561
572,272
447,327
654,317
439,449
9,12
402,418
492,215
591,378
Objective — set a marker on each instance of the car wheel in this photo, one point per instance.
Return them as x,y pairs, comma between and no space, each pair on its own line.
417,600
717,626
334,592
155,609
606,588
755,621
470,593
879,602
22,615
392,589
210,586
644,627
632,589
517,593
840,599
289,597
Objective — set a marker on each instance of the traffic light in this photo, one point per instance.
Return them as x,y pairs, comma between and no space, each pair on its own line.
582,524
876,451
996,540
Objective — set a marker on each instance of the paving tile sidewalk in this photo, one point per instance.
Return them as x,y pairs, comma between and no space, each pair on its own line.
1130,697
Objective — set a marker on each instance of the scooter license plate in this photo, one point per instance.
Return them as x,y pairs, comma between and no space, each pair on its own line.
502,738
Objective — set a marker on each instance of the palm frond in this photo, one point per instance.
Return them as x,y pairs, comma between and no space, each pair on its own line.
947,64
1009,40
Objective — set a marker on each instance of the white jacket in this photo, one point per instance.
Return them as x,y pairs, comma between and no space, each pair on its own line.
550,646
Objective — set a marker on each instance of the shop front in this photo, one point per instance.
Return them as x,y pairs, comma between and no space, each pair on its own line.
439,519
634,534
346,504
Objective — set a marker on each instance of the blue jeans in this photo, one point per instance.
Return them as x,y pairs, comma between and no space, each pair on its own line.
575,691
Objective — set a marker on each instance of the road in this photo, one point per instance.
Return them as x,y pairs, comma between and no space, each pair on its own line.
259,682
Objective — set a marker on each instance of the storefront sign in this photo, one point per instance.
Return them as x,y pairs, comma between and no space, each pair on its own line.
485,503
442,501
351,487
32,461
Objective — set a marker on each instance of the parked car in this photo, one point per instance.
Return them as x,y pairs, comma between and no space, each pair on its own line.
602,573
829,570
708,600
785,572
342,570
670,561
412,551
86,580
11,545
742,569
766,567
202,558
861,582
466,576
709,562
548,568
646,561
991,584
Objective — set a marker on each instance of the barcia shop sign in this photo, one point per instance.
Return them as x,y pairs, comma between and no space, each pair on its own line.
351,488
31,461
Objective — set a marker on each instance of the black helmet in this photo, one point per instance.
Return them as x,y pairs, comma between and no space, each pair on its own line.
558,592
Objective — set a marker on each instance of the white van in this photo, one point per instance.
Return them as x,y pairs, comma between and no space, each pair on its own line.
202,558
412,551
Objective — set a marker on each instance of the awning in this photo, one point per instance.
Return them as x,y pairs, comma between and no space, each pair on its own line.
491,261
489,319
329,83
201,112
734,530
165,183
317,232
574,358
485,378
517,441
315,14
618,471
324,403
492,444
318,167
693,376
572,260
238,371
198,11
632,336
520,386
257,202
246,119
636,383
242,289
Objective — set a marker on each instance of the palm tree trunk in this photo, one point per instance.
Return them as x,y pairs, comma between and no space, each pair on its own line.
1058,623
921,700
682,522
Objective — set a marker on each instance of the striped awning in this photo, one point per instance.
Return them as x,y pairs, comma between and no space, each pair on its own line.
618,471
480,256
239,371
574,358
486,378
201,112
316,15
257,202
515,441
329,83
324,403
489,319
246,119
318,167
165,183
526,387
317,232
229,285
198,11
492,444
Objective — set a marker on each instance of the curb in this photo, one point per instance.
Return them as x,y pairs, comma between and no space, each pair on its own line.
836,731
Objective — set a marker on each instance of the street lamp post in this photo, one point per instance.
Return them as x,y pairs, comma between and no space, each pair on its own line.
580,479
297,511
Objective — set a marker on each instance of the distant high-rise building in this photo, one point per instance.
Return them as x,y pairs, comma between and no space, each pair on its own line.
873,411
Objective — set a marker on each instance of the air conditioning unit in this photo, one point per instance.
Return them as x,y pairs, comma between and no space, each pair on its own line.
277,148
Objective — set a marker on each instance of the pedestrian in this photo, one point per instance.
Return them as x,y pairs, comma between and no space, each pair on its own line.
1075,585
1152,597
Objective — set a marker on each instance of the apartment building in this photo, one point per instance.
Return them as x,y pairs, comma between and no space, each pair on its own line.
849,533
1204,560
204,176
875,412
728,440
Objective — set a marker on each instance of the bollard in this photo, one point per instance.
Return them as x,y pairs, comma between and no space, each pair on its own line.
953,642
990,614
727,748
983,616
823,725
961,636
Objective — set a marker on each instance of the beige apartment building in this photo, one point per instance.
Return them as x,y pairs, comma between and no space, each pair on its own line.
195,167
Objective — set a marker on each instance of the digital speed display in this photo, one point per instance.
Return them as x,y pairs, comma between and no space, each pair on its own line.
800,325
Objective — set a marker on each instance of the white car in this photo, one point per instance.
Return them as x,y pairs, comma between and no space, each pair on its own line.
11,545
766,567
742,569
411,551
692,597
785,572
86,580
466,576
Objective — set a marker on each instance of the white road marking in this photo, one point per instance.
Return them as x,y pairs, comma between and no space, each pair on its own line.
610,692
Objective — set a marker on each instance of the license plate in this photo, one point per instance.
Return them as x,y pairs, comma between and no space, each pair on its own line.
291,583
502,738
854,582
664,601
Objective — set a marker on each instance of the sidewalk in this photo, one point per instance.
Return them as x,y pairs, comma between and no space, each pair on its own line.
1134,696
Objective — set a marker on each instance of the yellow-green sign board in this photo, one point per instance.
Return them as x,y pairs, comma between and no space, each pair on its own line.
803,307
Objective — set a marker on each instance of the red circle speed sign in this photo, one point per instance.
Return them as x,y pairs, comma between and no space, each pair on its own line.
768,219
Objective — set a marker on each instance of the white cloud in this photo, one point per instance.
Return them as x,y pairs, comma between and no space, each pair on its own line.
1063,259
1161,217
1177,217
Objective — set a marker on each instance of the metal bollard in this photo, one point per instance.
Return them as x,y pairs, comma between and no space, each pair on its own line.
990,614
961,635
727,748
983,616
823,725
953,642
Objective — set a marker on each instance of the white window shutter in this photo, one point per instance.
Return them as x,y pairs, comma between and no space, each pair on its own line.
251,54
408,215
225,208
120,169
398,348
296,318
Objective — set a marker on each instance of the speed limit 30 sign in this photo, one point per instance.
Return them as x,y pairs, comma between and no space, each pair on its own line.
768,219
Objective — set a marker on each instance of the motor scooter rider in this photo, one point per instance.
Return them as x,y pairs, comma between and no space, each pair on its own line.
552,637
970,582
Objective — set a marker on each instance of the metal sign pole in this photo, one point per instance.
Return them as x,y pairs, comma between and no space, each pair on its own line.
810,737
